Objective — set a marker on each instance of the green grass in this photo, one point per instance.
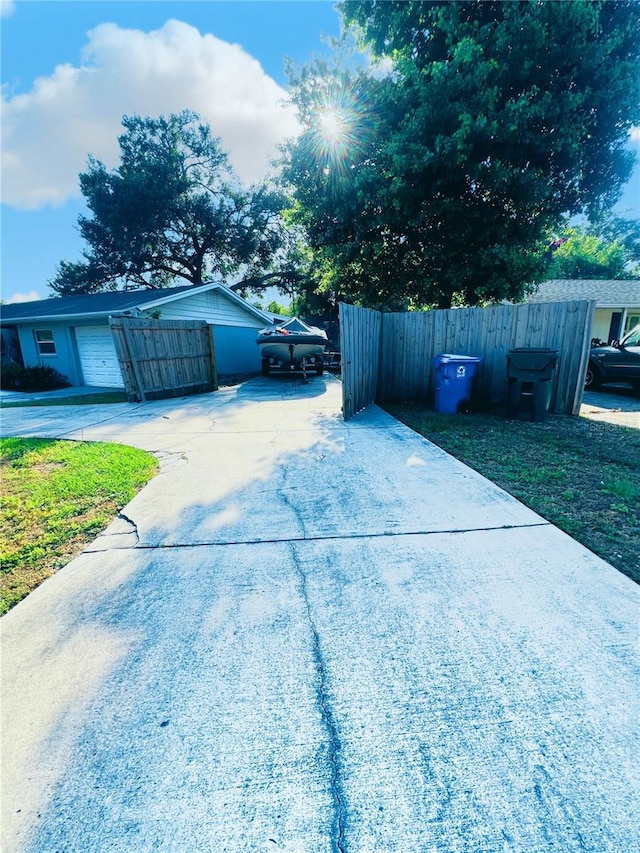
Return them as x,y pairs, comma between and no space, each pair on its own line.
78,400
56,497
581,475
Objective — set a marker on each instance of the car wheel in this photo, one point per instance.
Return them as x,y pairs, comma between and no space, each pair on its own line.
592,379
266,367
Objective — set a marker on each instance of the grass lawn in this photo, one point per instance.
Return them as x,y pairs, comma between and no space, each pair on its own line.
581,475
56,497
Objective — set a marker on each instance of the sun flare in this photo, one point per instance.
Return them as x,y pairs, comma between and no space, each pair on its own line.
332,126
340,128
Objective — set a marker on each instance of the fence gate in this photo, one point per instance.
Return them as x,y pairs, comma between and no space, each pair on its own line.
360,331
164,358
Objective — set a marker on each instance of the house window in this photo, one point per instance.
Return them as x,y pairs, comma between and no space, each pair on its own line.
44,342
633,320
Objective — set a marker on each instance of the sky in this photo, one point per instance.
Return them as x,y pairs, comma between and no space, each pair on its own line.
72,68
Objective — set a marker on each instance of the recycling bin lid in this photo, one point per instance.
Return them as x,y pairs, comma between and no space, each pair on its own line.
449,358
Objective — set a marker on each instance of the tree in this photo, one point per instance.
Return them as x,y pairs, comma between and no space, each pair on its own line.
275,307
297,277
173,209
626,232
582,255
581,252
436,178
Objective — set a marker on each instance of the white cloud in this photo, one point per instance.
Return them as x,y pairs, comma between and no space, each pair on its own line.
48,132
23,297
7,8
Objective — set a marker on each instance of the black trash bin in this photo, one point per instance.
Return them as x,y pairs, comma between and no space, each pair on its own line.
529,382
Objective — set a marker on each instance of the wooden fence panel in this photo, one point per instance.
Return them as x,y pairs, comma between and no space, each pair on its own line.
360,333
407,343
164,358
390,367
496,343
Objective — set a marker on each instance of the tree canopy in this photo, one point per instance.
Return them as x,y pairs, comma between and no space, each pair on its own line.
173,209
606,249
436,176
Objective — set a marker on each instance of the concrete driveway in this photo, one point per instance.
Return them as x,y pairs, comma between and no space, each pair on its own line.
614,404
310,636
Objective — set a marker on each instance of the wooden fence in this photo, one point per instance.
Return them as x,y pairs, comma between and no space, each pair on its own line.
409,341
164,358
360,344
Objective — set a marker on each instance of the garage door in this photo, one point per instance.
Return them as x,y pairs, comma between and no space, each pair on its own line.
98,358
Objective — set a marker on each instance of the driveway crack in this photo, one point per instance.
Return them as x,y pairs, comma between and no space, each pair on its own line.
282,491
338,842
133,527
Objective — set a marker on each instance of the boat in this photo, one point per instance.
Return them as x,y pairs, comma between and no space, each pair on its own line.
293,345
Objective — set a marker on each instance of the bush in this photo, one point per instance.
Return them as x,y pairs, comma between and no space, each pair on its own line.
37,378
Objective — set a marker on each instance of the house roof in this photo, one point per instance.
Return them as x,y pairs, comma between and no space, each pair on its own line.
607,293
97,305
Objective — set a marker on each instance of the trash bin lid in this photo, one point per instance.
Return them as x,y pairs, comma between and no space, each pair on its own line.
534,349
532,358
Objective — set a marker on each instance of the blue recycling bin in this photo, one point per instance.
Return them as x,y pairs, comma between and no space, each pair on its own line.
454,378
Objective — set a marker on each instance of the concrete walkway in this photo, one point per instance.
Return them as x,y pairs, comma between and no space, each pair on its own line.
310,636
58,393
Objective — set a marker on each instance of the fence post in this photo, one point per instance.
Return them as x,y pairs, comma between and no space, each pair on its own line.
584,358
134,362
214,371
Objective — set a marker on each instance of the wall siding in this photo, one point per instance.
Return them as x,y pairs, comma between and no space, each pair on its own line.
65,360
212,306
236,349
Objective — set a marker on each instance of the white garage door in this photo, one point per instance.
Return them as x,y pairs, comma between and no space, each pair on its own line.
98,357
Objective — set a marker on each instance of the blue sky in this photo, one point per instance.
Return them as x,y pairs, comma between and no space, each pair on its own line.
72,68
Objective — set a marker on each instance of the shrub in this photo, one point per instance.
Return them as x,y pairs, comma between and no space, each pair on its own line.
37,378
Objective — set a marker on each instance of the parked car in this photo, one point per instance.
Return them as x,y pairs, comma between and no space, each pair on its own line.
618,362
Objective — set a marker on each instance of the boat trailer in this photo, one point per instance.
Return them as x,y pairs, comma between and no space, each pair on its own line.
274,364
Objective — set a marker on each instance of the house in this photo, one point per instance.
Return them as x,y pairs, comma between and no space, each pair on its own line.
617,303
72,334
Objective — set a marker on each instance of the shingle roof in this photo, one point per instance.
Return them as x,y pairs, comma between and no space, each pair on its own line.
607,293
101,305
94,303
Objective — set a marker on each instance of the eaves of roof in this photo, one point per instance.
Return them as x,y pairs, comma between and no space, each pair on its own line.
57,318
119,306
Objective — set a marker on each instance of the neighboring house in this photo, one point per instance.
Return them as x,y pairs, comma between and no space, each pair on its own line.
72,334
617,302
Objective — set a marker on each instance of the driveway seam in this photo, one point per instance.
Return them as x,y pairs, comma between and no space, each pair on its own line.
294,539
138,546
